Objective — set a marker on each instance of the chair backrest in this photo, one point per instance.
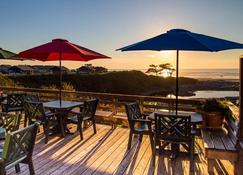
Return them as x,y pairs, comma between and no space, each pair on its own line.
9,122
33,110
19,145
174,128
15,100
32,98
90,107
133,111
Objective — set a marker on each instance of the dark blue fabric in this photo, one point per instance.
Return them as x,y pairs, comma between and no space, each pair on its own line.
179,39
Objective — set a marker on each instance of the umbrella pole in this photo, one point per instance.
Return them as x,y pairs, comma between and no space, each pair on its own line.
60,73
177,79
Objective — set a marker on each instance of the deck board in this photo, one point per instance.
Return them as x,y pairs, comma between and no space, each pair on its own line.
106,153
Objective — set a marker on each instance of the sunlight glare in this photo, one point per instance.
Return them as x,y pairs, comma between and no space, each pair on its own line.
165,74
167,54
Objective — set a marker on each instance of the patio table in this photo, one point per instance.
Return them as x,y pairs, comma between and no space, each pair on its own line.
196,118
63,109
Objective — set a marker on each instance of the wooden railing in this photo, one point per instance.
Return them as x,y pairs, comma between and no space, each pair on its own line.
112,105
108,101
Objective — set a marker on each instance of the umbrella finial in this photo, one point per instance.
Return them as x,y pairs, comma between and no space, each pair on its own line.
59,40
177,30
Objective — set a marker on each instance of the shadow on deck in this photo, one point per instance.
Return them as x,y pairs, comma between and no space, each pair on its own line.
105,153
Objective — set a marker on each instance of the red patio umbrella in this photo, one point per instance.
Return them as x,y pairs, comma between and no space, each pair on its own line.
60,49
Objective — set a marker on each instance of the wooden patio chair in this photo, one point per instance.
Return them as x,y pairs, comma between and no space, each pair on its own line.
35,112
138,123
8,123
29,98
18,148
32,97
87,113
14,103
174,129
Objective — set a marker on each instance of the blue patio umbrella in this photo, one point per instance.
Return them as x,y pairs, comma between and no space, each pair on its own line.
180,39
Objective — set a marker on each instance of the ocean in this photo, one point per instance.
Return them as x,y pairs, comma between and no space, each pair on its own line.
209,94
222,74
227,74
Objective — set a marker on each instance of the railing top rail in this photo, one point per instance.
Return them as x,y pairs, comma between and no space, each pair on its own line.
121,97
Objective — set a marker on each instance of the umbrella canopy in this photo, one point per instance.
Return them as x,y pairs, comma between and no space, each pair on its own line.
180,39
5,54
60,49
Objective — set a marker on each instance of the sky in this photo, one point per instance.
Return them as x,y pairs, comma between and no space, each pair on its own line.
106,25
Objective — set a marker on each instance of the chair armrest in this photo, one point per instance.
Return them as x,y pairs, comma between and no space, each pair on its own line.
241,144
193,132
149,122
36,102
3,102
146,113
74,113
50,114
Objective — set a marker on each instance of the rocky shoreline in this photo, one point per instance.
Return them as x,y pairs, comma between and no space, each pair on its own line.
216,85
223,85
201,85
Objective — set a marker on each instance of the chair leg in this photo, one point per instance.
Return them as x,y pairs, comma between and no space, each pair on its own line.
25,120
31,168
192,157
130,140
238,164
38,130
151,141
94,126
80,129
140,137
46,131
210,166
2,167
236,169
2,171
17,168
154,153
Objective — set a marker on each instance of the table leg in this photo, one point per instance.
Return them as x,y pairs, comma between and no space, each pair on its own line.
61,124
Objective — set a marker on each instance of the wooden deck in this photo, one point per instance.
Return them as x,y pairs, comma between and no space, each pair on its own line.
105,153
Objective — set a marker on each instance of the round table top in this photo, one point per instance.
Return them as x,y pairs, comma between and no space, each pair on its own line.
62,105
195,116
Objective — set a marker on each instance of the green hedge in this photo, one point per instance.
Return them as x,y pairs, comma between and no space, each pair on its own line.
125,82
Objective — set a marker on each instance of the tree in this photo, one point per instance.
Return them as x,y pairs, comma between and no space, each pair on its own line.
100,69
159,69
89,68
168,68
153,69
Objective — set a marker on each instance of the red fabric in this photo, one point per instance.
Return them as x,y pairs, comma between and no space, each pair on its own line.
51,52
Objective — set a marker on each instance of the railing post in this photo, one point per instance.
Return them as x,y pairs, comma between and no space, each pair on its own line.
114,100
241,100
141,105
